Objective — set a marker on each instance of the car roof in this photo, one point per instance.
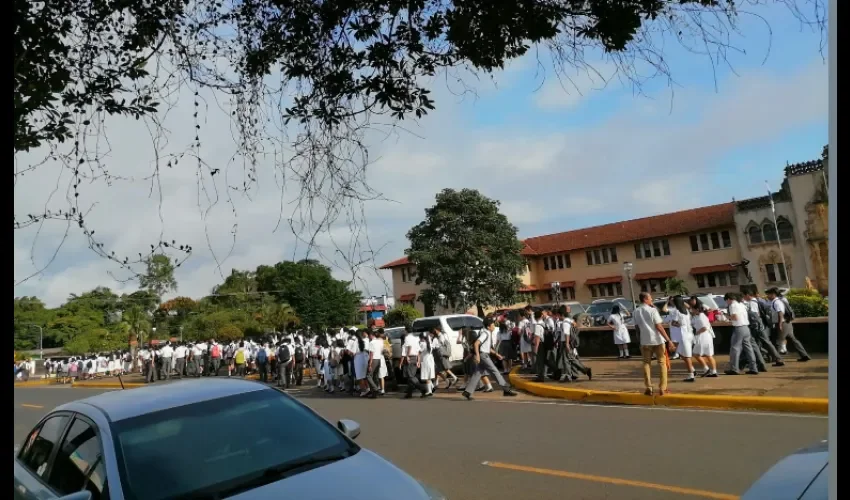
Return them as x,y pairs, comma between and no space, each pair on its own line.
446,316
123,404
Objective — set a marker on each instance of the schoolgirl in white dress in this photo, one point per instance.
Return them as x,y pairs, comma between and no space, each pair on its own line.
621,333
680,319
426,360
339,370
361,364
110,366
703,342
327,371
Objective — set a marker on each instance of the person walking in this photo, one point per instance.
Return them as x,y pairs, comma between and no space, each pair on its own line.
741,340
621,333
545,330
526,338
146,356
180,360
653,337
703,342
441,350
263,363
239,358
681,329
426,362
783,316
215,357
285,362
506,344
166,353
409,363
758,329
481,351
374,371
299,355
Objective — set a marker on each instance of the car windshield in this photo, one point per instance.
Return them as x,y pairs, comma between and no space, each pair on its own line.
425,324
222,446
395,333
601,308
721,302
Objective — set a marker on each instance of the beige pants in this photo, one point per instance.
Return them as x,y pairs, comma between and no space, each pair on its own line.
647,351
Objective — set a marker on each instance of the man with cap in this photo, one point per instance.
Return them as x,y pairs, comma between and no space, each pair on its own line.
782,316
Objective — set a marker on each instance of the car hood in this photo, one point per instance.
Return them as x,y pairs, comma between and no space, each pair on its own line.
365,476
791,476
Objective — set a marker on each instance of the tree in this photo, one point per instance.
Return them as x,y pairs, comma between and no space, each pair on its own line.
159,276
278,317
466,245
402,315
337,65
309,288
675,286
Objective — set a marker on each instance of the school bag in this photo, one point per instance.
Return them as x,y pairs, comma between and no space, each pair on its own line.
299,354
334,358
216,351
789,313
528,332
445,346
574,340
262,357
756,324
283,354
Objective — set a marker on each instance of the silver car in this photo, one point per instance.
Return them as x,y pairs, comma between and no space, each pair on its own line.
803,475
214,438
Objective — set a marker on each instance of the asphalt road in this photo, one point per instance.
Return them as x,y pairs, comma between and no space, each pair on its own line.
546,450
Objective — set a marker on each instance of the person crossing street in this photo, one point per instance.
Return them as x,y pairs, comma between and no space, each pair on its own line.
481,351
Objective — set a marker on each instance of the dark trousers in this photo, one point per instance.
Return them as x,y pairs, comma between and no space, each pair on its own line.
413,382
569,365
372,375
787,334
762,339
180,366
215,365
149,369
285,374
299,373
542,362
263,369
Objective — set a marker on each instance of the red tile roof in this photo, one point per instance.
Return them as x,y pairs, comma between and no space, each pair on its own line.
655,275
712,269
599,281
530,288
406,297
657,226
396,263
685,221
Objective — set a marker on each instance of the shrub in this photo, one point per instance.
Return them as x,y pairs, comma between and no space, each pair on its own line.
803,292
808,305
402,315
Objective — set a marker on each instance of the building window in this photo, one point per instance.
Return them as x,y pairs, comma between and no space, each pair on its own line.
553,262
711,241
651,285
754,235
560,262
545,263
651,249
786,232
775,271
601,256
606,290
408,274
712,280
769,232
404,275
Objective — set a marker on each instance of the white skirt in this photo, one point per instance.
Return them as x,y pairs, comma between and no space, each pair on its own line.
524,347
382,371
361,365
621,336
110,367
426,367
127,366
704,345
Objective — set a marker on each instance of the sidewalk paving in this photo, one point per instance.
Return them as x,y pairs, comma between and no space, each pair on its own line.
795,379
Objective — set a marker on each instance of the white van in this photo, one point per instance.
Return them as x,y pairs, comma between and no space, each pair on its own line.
450,324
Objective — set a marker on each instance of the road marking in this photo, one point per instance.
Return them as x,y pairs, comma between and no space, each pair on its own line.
638,407
613,480
31,406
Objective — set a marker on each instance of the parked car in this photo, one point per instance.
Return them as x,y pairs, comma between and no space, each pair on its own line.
450,324
111,445
600,310
803,475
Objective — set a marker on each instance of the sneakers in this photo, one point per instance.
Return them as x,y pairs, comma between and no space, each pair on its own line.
589,374
779,363
509,393
467,395
803,359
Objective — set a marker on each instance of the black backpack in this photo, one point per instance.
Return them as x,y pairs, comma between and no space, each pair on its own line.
756,324
789,313
299,354
283,354
89,364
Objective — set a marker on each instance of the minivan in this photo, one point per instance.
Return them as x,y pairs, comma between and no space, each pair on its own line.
450,324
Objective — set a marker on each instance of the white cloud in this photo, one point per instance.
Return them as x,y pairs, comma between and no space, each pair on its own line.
566,90
631,164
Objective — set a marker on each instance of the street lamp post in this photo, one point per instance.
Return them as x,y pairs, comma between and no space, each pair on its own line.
463,294
628,267
556,293
441,297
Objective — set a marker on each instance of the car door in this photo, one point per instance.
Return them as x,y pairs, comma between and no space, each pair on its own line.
32,463
79,462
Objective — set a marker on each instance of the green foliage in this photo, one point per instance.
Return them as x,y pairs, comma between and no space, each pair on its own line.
466,244
159,276
675,286
402,315
807,303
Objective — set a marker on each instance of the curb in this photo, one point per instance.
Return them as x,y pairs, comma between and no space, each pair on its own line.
36,383
818,406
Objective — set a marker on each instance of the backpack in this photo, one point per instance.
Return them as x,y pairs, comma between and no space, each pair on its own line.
548,338
756,324
764,313
216,351
446,346
334,358
262,356
789,313
299,354
574,340
528,332
283,354
89,364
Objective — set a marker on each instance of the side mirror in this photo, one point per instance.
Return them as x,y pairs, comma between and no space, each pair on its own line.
348,427
80,495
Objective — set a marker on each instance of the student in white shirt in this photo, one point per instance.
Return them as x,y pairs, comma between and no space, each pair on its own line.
760,332
653,337
426,362
180,360
506,344
621,333
680,319
166,352
526,337
377,366
409,364
741,339
783,328
482,350
703,342
362,356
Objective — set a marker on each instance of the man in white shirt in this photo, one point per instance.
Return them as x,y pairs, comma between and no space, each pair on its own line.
166,352
285,362
481,351
741,338
652,338
568,362
760,332
180,359
409,364
146,356
546,343
783,328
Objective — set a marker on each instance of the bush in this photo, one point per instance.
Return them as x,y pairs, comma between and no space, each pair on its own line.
402,315
808,305
802,292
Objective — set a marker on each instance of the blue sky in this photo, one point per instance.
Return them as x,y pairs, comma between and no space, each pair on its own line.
556,159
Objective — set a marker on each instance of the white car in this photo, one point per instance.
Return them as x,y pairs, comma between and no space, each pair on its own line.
450,324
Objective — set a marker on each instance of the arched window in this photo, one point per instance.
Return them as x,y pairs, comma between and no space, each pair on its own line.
754,234
786,232
769,232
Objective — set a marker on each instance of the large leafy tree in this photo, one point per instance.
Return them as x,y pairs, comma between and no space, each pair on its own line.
159,275
322,70
465,245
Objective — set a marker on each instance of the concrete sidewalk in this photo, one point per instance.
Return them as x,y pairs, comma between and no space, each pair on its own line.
795,379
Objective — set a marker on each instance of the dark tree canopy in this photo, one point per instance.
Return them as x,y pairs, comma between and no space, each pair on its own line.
466,245
314,73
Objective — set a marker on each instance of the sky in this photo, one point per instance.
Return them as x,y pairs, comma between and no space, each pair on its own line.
559,154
